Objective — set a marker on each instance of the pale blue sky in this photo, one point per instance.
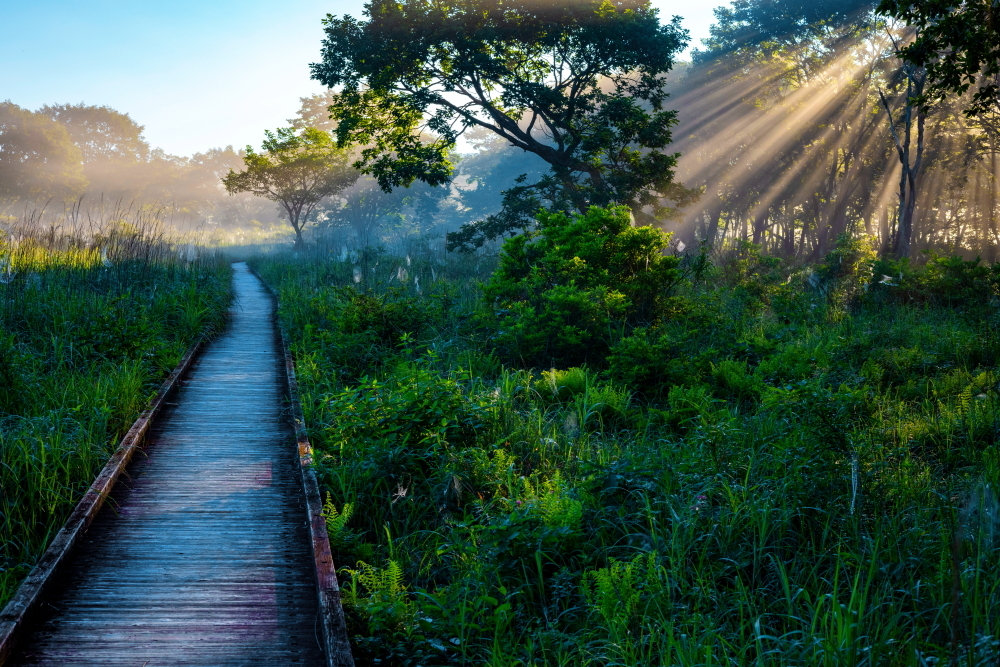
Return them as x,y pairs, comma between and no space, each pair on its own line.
197,74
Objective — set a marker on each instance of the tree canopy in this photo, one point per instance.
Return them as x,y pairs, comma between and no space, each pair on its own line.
313,112
37,156
958,42
769,24
102,133
296,170
578,84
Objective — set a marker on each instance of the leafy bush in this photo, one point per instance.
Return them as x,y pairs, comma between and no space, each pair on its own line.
734,380
651,360
562,292
355,331
562,385
846,270
748,272
941,280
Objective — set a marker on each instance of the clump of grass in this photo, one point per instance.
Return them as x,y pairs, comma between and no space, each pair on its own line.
90,324
803,480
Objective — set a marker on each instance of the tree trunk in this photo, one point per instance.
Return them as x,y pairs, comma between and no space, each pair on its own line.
909,161
712,232
994,201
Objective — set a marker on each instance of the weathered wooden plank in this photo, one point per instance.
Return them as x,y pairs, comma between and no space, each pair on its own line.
336,641
202,556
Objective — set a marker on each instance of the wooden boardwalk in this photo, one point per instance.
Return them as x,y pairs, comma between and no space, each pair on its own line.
202,554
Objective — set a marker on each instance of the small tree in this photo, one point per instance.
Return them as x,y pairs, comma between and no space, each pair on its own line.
297,170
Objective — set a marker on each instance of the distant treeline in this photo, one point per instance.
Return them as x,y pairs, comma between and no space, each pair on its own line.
57,154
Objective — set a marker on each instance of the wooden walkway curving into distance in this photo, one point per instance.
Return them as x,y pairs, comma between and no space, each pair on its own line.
202,554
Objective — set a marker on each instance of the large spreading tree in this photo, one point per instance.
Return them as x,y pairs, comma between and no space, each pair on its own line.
579,84
297,170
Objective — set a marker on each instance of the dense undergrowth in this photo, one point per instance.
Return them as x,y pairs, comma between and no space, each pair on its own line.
88,331
757,464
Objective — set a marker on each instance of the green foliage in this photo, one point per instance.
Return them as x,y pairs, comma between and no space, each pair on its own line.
847,269
945,280
735,380
590,71
557,506
382,585
651,360
751,273
766,25
958,43
562,292
405,426
616,592
336,523
356,331
562,385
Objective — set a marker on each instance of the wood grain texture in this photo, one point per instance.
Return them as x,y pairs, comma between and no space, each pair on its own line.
336,642
202,554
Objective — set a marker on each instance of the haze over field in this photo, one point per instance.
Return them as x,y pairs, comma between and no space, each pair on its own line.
793,127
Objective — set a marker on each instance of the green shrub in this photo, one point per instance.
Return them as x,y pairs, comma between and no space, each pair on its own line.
941,280
651,360
562,292
402,425
734,380
357,331
748,272
563,325
846,270
603,406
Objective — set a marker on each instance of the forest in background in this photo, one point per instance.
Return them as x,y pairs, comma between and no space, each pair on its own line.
791,126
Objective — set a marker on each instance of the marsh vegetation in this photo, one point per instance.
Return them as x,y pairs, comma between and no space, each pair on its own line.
769,465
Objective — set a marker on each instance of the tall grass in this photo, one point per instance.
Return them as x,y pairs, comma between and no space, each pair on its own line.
816,485
90,322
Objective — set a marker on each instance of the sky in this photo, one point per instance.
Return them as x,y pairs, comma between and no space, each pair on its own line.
197,74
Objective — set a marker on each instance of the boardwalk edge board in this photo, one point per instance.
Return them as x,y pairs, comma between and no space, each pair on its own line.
336,644
30,591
